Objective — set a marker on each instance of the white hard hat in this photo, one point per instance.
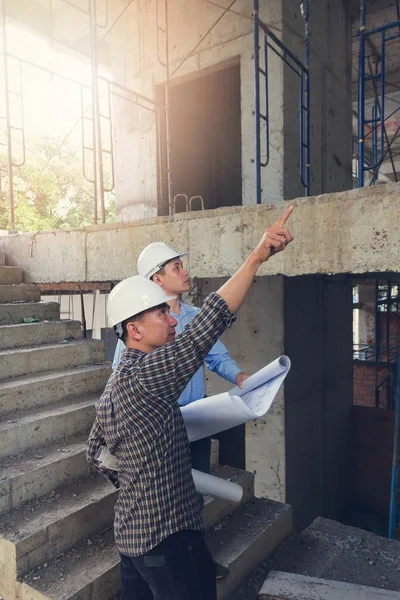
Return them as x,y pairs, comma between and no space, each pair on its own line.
132,296
154,256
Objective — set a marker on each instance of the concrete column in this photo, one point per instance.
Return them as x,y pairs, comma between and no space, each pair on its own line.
318,395
366,313
133,50
256,339
300,451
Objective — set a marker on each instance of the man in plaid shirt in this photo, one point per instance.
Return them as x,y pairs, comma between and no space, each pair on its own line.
158,526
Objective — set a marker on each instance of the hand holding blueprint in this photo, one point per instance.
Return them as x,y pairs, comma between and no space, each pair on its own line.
209,416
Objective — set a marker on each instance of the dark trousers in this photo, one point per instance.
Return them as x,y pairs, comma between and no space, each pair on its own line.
201,456
179,568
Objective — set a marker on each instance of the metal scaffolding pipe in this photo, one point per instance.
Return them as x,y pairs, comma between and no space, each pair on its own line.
361,97
8,117
256,35
97,149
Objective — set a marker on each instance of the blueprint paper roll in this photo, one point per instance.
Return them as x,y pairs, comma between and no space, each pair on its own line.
209,485
206,484
211,415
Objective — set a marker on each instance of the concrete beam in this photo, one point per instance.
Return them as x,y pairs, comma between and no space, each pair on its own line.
348,232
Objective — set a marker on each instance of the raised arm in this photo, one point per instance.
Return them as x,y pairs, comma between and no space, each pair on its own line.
274,240
175,363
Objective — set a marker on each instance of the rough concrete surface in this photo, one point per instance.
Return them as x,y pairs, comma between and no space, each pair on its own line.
10,275
245,538
42,529
19,293
34,359
36,473
36,427
348,232
89,571
288,586
330,550
50,387
14,312
44,332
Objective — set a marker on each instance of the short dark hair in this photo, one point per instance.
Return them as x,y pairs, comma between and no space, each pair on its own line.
161,270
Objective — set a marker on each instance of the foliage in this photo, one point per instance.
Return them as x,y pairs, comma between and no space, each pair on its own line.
50,191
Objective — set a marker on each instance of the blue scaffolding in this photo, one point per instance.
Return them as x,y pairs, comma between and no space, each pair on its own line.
302,70
381,146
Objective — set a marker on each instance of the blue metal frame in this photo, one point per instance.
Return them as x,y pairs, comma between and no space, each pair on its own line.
378,112
303,72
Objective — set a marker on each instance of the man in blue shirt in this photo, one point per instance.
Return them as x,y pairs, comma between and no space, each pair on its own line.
163,265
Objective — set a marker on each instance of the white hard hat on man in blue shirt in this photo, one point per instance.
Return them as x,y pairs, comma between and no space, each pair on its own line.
154,257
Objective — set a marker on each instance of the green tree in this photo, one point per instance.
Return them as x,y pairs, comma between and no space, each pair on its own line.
50,191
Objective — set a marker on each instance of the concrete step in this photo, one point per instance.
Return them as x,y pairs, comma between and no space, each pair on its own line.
93,571
42,529
288,586
33,391
19,293
36,359
253,531
2,259
13,312
216,509
35,334
86,572
35,474
331,550
10,275
247,537
36,428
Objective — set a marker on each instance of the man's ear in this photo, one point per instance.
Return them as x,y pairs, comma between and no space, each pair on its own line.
158,280
133,331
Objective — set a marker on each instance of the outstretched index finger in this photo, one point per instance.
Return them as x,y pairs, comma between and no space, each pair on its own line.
280,222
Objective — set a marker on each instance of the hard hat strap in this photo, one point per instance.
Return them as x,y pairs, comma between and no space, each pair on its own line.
119,330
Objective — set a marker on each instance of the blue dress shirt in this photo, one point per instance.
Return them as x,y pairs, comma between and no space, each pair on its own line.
217,360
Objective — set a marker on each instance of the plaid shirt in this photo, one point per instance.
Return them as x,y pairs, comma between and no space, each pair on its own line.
139,419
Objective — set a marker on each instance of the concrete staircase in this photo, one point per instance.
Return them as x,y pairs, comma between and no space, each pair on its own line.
56,539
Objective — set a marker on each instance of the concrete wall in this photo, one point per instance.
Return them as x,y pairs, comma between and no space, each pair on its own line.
135,64
350,232
330,97
255,340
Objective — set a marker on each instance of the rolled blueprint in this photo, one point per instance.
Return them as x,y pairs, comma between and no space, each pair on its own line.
208,485
205,484
211,415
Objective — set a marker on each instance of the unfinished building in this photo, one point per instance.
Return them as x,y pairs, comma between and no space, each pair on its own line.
191,122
